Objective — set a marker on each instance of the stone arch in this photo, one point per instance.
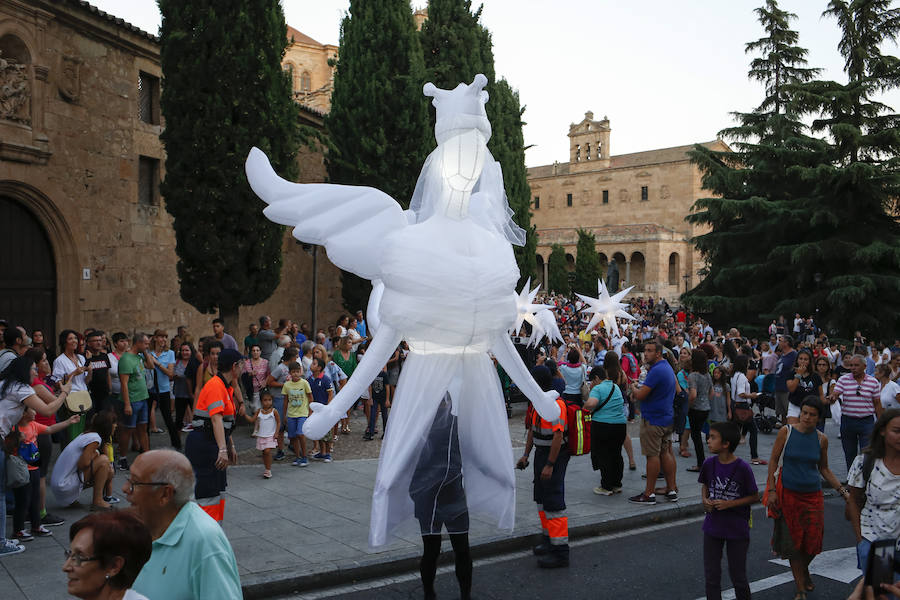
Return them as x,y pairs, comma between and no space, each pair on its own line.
603,259
570,262
674,268
638,269
62,242
305,81
539,267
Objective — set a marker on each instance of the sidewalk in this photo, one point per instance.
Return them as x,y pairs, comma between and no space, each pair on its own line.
308,527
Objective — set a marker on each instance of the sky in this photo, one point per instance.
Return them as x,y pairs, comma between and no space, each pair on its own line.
665,73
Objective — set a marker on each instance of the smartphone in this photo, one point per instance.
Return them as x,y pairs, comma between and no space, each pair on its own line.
881,564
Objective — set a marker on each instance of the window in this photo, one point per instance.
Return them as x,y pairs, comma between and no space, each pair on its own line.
568,199
305,82
148,181
148,98
605,196
577,152
644,193
587,152
537,202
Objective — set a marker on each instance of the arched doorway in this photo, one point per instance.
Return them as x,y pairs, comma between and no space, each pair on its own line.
637,271
539,267
27,271
674,268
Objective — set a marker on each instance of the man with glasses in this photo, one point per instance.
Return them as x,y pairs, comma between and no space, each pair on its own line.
191,556
860,397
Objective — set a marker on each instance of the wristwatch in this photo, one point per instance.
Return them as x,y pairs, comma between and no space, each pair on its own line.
550,463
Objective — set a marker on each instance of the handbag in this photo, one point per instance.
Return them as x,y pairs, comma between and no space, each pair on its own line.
742,412
16,472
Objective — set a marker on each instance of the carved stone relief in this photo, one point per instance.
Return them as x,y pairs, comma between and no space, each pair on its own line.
69,82
15,92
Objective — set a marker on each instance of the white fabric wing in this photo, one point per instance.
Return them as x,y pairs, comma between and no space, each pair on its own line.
350,221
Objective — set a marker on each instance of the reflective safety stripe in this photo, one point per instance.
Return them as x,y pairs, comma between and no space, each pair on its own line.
202,414
214,507
558,528
214,405
543,517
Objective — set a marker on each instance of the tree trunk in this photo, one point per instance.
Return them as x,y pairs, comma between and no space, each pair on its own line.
229,314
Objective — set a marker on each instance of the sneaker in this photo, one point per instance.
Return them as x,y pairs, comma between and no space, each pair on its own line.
111,500
41,532
279,455
368,437
267,474
617,490
643,499
318,456
296,462
24,536
187,428
672,495
303,462
602,491
326,458
123,464
51,520
9,547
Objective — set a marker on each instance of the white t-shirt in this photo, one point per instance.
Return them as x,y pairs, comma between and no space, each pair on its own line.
65,480
62,366
889,395
114,374
12,405
740,385
880,517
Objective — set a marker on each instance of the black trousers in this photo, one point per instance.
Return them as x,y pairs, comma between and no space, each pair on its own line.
165,407
606,452
28,502
697,419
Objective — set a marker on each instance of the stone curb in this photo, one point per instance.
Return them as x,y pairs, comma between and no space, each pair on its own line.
288,581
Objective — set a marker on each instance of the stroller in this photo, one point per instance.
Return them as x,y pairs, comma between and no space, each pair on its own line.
766,399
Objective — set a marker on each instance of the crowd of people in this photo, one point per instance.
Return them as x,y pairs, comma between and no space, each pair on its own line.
692,385
694,391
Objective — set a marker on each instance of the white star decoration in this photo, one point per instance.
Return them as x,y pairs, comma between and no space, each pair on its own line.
539,316
606,308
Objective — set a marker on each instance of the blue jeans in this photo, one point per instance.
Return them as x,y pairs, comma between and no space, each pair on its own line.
855,435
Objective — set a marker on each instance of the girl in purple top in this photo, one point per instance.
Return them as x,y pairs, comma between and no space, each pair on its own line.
729,488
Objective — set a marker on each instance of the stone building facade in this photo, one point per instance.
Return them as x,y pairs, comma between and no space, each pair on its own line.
89,242
634,204
311,68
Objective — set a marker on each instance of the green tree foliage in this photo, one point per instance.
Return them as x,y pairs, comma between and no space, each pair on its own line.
456,48
587,264
846,234
378,124
754,185
558,277
224,92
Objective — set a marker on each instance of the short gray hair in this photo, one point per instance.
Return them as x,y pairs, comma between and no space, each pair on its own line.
307,346
284,341
174,473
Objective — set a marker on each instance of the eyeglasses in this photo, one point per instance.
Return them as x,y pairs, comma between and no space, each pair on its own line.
132,484
77,558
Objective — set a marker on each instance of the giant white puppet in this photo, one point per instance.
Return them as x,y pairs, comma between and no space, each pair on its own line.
444,278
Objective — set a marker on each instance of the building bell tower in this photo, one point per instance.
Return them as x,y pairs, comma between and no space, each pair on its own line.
589,144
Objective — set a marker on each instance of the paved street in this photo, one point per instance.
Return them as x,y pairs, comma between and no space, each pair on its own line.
662,561
307,528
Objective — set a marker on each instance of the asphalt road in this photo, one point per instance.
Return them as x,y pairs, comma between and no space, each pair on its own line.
659,562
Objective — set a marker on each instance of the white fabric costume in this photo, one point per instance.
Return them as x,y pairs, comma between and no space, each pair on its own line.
444,280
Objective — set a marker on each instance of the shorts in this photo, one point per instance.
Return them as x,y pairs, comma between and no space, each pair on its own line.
262,443
295,426
793,410
781,402
139,414
655,438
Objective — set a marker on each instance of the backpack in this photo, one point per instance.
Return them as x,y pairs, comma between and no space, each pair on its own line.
633,371
578,425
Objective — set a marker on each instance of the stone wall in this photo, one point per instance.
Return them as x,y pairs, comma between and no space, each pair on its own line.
76,168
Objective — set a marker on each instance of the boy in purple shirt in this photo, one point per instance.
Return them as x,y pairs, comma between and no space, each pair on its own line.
729,488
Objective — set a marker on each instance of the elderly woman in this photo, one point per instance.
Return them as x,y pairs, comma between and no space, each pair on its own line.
794,495
106,553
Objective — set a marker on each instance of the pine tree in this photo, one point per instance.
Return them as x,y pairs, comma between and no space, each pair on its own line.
558,277
848,256
378,124
457,47
224,92
755,186
587,264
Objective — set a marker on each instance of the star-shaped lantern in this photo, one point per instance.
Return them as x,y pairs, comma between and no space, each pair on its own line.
606,308
539,316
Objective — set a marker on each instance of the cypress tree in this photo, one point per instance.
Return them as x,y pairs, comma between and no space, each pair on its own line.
558,277
587,264
848,256
456,48
755,185
224,92
378,125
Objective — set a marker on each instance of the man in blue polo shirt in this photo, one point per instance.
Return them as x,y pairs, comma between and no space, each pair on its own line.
656,397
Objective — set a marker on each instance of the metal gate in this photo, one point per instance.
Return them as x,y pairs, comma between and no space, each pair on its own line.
27,271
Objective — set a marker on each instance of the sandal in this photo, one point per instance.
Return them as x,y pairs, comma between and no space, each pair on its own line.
685,453
759,461
693,469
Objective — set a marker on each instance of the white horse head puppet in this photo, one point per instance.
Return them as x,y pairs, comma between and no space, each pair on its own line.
444,280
